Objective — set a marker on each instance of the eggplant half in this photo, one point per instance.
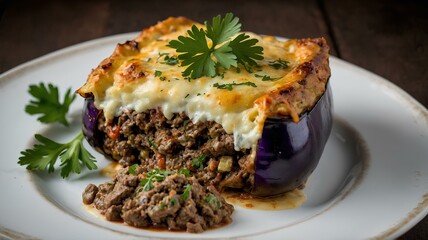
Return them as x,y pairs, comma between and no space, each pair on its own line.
288,151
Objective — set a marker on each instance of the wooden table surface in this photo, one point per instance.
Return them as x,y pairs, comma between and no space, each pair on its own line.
389,38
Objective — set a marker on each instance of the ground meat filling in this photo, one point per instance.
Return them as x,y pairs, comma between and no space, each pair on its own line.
176,202
152,140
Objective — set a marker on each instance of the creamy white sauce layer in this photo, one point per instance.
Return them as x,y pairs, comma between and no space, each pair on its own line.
198,98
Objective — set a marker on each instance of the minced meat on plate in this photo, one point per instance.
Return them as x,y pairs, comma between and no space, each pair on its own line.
159,198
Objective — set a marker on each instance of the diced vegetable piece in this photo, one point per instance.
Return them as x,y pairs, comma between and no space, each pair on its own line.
225,164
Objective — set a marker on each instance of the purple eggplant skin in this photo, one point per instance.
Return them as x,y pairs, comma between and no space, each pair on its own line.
288,152
90,120
90,117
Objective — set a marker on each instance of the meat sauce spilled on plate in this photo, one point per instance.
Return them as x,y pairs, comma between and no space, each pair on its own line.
289,200
111,169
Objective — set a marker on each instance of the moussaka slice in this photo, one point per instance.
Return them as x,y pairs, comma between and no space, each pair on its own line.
256,124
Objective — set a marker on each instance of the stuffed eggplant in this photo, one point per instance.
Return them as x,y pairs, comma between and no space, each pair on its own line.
260,127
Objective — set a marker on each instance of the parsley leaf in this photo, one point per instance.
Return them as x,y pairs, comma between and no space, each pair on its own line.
173,201
72,154
184,171
186,192
155,175
248,68
211,199
202,60
158,73
196,53
47,103
147,184
279,64
170,60
229,86
221,30
266,77
152,144
162,205
131,169
199,161
225,56
245,49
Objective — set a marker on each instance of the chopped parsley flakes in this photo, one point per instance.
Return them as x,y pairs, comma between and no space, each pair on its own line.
266,77
131,169
156,175
158,73
186,192
199,161
279,64
229,86
211,199
170,60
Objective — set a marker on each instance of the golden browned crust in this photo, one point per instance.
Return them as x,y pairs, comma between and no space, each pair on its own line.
98,79
306,81
309,82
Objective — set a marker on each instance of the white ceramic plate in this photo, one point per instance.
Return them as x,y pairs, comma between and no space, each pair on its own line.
372,180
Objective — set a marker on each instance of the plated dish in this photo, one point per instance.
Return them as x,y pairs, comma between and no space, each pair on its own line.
383,190
250,115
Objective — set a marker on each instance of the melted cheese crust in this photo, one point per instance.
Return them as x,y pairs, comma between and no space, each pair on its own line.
137,77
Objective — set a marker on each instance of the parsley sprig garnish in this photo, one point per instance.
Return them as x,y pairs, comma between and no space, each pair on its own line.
201,59
45,155
47,103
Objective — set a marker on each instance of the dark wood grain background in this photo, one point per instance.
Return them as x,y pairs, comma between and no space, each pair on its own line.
389,38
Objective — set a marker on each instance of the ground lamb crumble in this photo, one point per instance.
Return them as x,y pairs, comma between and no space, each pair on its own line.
152,140
176,203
